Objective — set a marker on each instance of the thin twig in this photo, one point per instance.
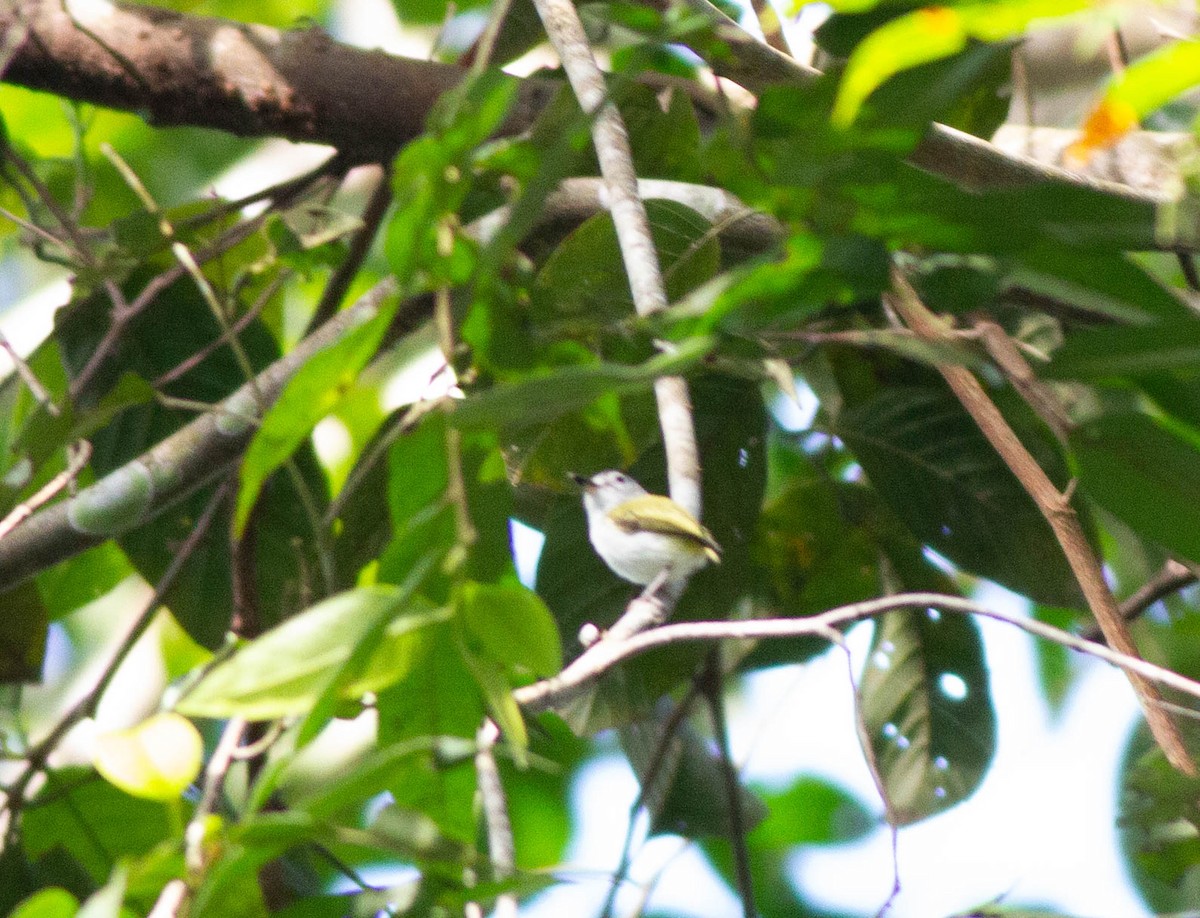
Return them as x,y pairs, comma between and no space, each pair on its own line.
1020,375
360,246
1057,510
214,779
25,371
646,787
501,851
78,457
711,686
604,655
1171,578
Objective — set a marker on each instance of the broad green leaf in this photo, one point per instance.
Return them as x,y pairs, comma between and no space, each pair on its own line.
1099,353
929,460
928,711
284,671
542,398
1146,475
1158,819
155,760
372,627
82,579
92,820
49,903
310,395
497,693
512,625
812,811
585,276
437,697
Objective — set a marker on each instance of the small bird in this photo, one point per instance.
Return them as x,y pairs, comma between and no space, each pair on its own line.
640,535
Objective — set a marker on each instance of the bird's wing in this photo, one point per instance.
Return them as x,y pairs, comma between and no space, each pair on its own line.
652,513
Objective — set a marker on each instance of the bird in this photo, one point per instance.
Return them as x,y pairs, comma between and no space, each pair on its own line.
643,537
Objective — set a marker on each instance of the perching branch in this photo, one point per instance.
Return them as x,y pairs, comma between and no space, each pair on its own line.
604,655
1057,510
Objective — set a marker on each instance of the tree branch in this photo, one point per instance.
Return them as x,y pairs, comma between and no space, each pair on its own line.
192,456
255,81
1054,506
604,655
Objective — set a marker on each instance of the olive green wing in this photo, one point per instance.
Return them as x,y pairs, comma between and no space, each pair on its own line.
658,514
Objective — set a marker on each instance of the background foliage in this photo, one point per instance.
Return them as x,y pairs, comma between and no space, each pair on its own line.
347,558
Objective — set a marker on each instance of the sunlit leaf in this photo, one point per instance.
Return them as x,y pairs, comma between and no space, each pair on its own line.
156,760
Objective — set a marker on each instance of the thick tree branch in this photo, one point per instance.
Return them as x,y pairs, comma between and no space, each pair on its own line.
1055,507
193,455
255,81
249,80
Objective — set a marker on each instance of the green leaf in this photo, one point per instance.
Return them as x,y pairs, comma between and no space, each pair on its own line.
437,697
928,711
92,820
106,902
23,630
512,626
585,276
929,460
1099,353
811,812
155,760
49,903
542,398
310,395
284,671
1136,468
82,579
372,627
498,693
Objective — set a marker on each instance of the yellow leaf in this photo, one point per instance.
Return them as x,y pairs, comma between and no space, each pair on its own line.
1107,123
156,760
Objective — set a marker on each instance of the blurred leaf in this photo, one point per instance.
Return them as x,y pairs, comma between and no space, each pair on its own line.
23,630
92,820
811,811
688,796
928,711
49,903
155,760
512,625
542,398
310,395
86,577
585,276
930,461
491,680
1135,467
1099,353
1159,826
284,671
106,902
437,697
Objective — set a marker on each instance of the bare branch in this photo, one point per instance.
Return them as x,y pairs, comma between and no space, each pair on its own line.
604,655
1054,506
495,813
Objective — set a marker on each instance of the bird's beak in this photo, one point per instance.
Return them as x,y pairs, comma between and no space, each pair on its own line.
582,480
